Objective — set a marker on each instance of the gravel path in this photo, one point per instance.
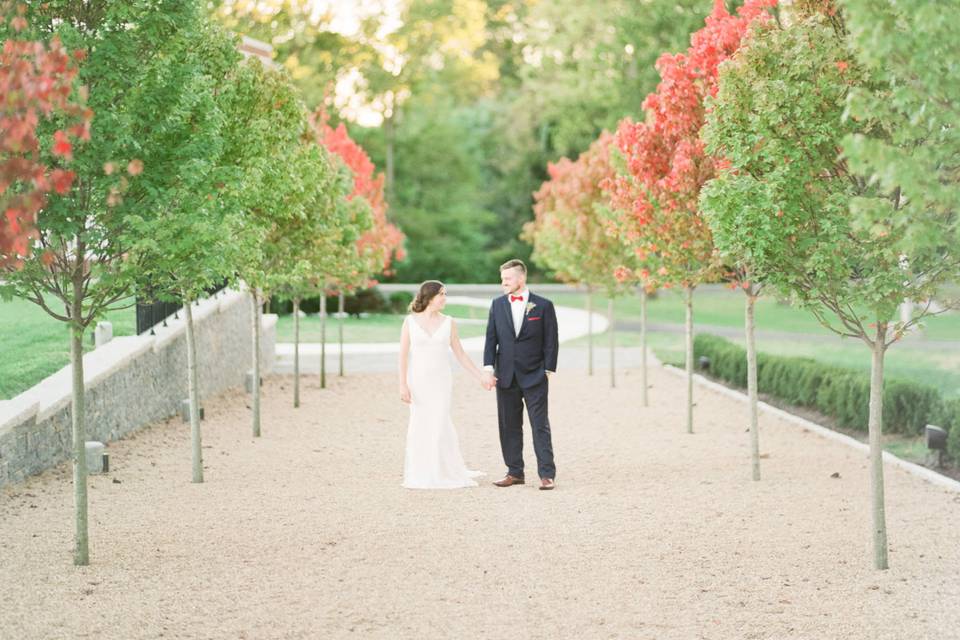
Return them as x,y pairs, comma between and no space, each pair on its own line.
651,533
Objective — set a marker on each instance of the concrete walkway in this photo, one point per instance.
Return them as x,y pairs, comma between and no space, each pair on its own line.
651,534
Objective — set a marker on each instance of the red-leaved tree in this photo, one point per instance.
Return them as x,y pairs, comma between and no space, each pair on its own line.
377,247
666,165
383,243
569,232
36,83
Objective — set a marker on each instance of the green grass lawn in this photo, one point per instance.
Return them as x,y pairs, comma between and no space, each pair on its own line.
724,307
373,328
936,365
937,368
35,345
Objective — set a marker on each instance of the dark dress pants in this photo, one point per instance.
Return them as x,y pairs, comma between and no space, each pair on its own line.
510,403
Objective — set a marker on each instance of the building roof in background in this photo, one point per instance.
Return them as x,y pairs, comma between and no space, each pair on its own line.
251,47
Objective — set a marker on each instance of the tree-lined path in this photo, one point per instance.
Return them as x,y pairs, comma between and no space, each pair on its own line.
652,533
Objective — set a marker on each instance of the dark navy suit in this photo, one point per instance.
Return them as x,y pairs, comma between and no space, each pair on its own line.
520,363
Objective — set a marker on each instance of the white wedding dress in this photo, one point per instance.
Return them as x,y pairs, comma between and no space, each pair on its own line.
433,459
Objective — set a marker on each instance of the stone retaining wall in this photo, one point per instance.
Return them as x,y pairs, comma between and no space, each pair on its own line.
132,382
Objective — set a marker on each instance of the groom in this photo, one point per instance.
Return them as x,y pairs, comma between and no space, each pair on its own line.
519,355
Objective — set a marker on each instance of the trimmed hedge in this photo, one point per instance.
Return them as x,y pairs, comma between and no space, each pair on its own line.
843,394
361,301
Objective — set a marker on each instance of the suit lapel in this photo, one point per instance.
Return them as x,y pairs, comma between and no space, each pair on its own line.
508,312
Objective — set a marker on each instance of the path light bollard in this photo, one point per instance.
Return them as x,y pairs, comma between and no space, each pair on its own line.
185,410
248,381
95,457
936,438
341,314
102,334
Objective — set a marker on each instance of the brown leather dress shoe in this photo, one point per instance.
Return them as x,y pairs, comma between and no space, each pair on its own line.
509,481
546,484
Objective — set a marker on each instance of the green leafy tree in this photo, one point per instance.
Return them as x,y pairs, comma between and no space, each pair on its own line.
182,249
439,193
916,145
843,244
310,248
264,134
82,264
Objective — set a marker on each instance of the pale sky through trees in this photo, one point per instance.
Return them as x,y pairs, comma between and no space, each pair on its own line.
344,16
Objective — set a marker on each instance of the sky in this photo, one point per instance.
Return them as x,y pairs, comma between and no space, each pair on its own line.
344,15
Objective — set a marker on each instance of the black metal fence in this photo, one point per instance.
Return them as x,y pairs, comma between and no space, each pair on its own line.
150,314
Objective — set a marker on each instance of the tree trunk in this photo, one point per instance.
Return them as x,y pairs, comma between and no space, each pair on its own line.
81,550
643,347
341,305
688,295
192,390
255,296
388,131
613,343
323,339
752,386
296,352
875,428
589,331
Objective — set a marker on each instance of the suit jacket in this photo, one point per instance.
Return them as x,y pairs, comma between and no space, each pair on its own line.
529,355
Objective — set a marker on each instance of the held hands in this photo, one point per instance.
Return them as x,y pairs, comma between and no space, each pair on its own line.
404,394
487,380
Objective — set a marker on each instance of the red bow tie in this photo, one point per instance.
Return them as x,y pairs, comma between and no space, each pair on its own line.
516,298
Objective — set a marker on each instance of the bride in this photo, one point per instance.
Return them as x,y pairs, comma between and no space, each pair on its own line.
433,459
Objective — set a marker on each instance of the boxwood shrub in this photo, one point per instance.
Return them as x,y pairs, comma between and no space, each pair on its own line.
843,394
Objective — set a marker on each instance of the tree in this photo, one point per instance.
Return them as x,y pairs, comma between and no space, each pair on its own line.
849,247
519,83
305,251
322,242
265,134
83,256
377,247
568,71
36,82
667,165
438,198
916,147
382,243
569,233
182,249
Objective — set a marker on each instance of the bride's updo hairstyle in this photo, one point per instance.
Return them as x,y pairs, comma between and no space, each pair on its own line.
428,291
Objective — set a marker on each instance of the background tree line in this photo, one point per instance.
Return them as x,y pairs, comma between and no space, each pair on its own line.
477,97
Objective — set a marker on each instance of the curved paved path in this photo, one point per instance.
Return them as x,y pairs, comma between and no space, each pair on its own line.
379,356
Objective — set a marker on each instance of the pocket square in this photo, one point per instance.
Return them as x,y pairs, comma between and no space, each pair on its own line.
532,319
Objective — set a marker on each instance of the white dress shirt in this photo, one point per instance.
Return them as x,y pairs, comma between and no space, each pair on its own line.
518,307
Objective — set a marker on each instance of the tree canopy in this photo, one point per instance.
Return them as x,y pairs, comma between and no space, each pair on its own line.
462,103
